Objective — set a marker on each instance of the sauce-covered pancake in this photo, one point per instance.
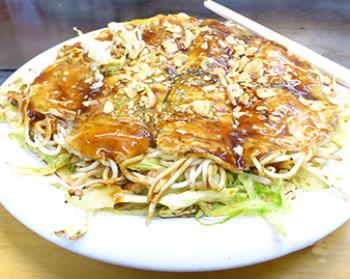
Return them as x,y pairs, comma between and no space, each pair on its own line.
99,137
183,86
275,121
62,88
196,119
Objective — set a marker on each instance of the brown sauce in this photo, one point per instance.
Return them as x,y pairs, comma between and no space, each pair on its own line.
96,138
259,130
62,87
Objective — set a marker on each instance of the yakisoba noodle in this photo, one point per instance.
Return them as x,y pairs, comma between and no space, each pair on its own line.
179,116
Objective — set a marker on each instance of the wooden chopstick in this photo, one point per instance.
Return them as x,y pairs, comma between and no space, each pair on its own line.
340,73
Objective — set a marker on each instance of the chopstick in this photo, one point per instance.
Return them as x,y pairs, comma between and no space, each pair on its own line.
338,72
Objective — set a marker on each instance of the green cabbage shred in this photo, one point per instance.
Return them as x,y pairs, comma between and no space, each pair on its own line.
252,199
146,164
53,164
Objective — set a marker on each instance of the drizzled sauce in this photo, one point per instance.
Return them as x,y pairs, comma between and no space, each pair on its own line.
103,137
61,87
302,81
260,135
35,116
183,131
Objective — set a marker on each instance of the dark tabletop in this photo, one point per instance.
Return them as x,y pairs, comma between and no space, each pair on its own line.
28,27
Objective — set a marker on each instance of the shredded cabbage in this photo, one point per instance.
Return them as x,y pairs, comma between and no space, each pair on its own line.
340,136
252,199
107,197
244,195
146,164
53,164
230,179
310,179
18,135
96,198
188,198
111,68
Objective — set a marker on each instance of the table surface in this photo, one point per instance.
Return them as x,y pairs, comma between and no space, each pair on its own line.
28,27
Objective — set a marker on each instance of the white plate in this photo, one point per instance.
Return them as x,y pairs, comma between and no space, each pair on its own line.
167,244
